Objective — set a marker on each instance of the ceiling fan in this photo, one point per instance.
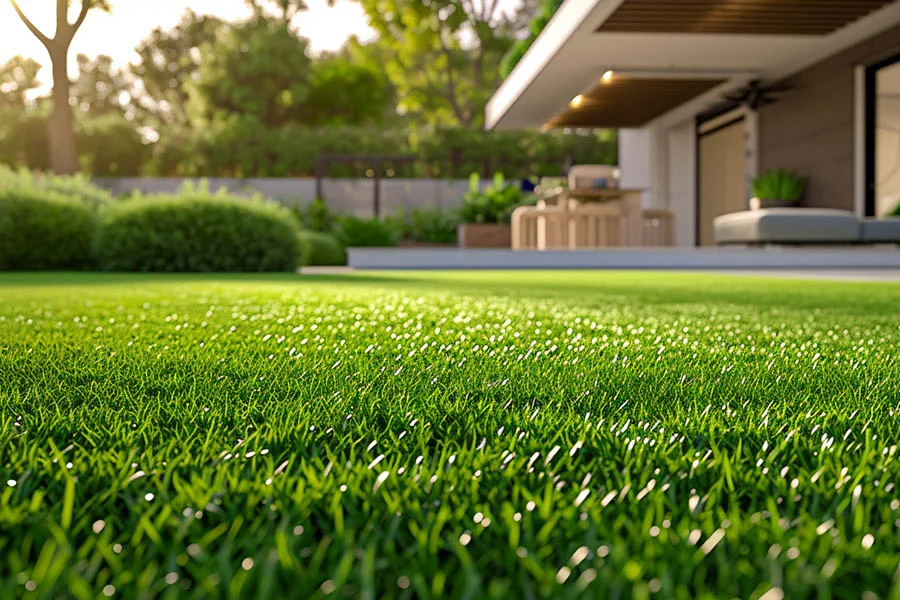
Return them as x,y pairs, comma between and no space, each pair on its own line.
755,95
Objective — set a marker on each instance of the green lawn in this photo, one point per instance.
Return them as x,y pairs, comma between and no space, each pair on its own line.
470,435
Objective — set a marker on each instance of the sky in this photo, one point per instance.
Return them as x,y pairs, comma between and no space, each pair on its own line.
118,33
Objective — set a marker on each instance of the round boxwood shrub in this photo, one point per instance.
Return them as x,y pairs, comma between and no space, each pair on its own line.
321,250
43,230
196,232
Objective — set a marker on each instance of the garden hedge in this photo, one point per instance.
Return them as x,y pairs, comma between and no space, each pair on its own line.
196,232
44,230
319,249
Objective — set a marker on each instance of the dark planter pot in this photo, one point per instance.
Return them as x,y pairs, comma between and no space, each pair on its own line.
408,244
762,203
484,235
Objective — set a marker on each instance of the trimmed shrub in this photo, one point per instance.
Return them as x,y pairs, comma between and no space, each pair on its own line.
363,233
44,230
321,250
75,187
197,232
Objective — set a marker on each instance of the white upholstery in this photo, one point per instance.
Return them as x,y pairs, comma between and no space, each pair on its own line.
787,226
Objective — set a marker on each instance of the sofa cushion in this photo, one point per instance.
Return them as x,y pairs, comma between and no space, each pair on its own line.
787,226
881,231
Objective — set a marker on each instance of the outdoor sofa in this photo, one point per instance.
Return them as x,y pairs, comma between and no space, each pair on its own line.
803,226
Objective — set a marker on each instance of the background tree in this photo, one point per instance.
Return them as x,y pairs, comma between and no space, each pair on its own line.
343,92
100,89
445,54
167,60
257,69
18,76
61,128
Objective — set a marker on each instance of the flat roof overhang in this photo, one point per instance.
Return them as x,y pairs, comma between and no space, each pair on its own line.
647,44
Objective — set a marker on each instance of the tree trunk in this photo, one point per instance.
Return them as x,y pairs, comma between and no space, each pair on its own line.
61,124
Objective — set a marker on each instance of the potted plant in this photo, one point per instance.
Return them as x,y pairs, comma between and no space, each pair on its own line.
485,215
777,188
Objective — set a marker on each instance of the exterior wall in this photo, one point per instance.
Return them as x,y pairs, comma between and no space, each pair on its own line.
353,196
635,147
681,175
811,128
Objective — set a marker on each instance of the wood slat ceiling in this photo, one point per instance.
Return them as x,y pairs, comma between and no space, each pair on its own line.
753,17
631,102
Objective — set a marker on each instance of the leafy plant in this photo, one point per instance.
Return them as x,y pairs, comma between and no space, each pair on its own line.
77,188
42,229
198,232
428,224
352,231
321,250
778,185
493,205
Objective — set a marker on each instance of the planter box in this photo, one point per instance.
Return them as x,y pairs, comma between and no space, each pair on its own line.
484,235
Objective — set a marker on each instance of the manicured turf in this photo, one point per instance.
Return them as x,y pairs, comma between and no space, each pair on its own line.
470,435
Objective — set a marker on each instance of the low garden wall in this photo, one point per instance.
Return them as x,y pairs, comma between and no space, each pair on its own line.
346,196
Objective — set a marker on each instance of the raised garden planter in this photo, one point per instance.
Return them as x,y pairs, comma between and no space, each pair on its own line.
484,235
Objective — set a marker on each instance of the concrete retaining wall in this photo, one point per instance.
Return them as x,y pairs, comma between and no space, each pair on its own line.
353,196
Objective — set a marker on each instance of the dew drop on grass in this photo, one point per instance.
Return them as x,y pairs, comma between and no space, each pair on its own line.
465,538
868,540
109,590
98,526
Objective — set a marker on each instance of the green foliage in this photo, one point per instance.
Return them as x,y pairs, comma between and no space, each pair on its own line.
344,93
482,435
428,224
43,230
545,13
241,146
354,232
167,60
896,210
317,217
109,145
18,76
100,88
492,205
238,75
444,55
321,250
77,188
778,185
197,232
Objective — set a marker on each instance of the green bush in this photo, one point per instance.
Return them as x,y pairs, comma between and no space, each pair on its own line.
896,210
428,224
44,230
197,232
75,187
317,217
320,250
365,233
493,205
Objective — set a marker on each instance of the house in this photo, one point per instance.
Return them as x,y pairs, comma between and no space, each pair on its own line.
709,93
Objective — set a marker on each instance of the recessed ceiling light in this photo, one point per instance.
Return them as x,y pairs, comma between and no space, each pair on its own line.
607,77
577,101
